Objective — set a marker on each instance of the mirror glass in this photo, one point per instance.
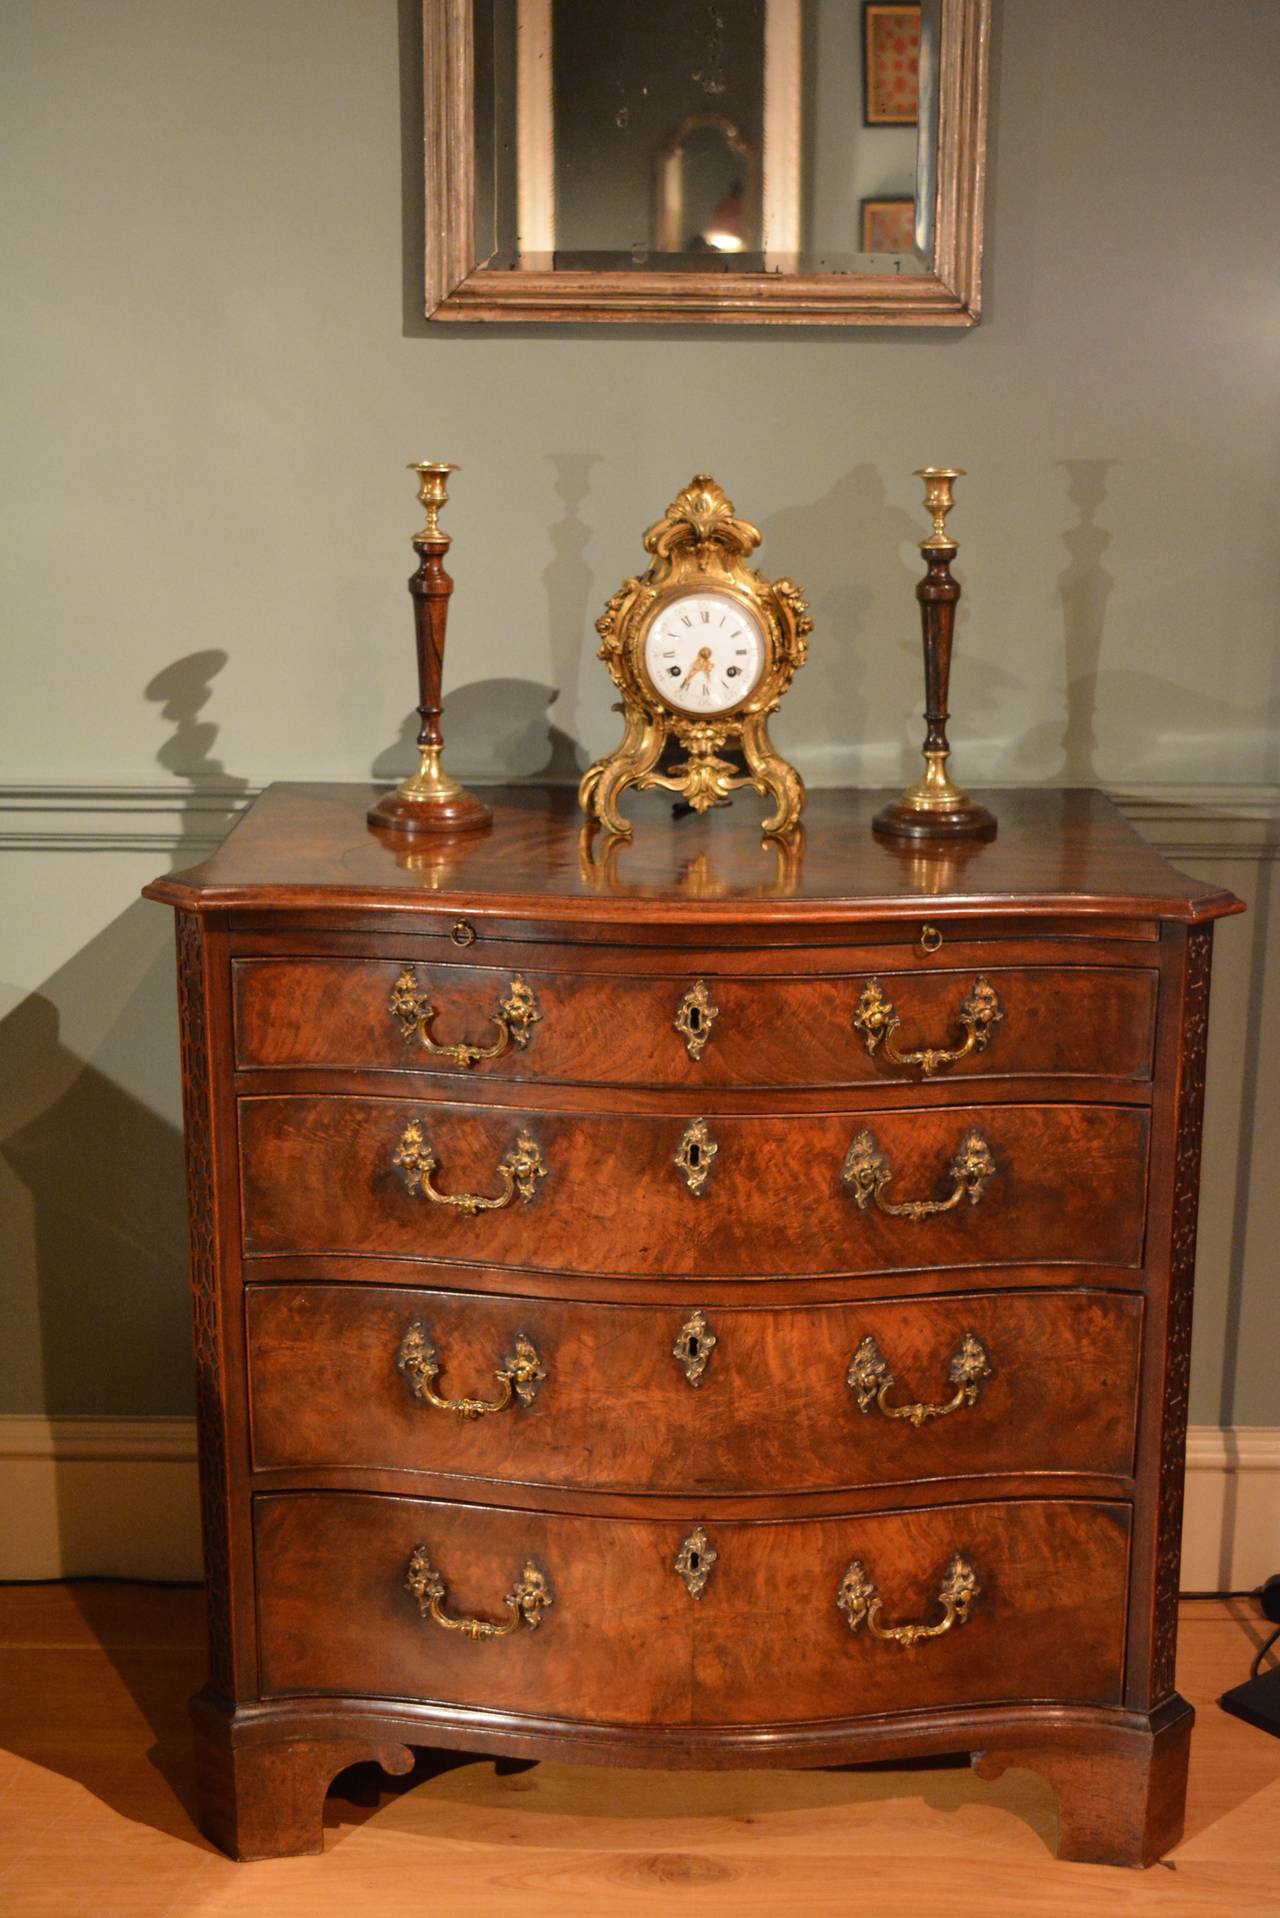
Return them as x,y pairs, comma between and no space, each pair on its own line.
789,136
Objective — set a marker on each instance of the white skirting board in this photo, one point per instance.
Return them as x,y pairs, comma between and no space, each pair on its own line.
1231,1520
116,1497
105,1497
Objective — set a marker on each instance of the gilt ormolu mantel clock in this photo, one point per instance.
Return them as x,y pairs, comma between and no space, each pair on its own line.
702,648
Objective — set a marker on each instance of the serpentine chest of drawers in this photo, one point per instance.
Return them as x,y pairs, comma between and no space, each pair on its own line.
694,1301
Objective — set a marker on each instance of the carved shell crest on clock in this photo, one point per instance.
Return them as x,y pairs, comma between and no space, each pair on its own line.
702,515
699,543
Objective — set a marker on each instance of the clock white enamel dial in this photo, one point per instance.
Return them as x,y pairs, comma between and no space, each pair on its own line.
704,652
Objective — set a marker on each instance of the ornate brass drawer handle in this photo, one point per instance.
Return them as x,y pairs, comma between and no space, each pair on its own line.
858,1599
871,1381
867,1174
695,1016
526,1601
520,1374
876,1019
519,1171
413,1008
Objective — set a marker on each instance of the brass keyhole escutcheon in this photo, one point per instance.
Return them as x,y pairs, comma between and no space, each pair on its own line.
693,1347
694,1561
695,1016
694,1155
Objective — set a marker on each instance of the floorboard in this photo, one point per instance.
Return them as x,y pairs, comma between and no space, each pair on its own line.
96,1787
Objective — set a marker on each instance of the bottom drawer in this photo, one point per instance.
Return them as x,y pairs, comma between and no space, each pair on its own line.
624,1640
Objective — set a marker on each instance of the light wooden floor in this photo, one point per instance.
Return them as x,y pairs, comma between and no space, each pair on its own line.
95,1781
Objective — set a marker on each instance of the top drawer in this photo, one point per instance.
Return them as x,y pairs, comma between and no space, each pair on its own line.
697,1029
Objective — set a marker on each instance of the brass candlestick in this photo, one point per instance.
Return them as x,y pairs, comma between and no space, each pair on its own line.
429,800
934,808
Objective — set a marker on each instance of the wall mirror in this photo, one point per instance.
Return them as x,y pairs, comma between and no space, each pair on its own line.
705,160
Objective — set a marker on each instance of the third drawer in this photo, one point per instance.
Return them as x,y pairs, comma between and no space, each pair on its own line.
661,1399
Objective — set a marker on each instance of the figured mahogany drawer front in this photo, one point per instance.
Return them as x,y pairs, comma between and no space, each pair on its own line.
729,1197
696,1030
352,1589
677,1400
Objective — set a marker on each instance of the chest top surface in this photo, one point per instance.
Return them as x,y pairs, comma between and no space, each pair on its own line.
309,848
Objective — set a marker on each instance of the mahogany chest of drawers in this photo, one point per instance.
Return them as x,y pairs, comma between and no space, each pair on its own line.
694,1301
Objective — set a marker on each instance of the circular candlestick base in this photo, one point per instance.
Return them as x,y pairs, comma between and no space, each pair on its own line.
966,820
458,811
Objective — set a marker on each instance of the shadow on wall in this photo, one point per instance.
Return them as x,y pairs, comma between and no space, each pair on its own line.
94,1229
508,718
863,687
848,692
1117,713
1084,587
573,600
102,1229
182,691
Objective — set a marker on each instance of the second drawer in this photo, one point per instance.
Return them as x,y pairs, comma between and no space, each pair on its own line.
668,1400
644,1194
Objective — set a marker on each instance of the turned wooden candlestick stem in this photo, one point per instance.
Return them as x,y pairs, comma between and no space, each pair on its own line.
934,808
429,800
431,587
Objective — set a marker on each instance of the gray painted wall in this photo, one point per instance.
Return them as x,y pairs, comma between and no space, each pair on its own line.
216,373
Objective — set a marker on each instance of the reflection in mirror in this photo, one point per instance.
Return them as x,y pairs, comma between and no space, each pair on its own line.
781,136
707,191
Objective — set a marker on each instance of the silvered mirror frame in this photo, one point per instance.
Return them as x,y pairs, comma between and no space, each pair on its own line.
459,286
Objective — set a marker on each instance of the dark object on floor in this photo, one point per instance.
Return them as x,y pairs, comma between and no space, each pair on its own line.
1257,1701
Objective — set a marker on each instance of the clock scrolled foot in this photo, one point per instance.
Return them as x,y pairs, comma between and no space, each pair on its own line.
264,1797
772,776
1121,1791
603,784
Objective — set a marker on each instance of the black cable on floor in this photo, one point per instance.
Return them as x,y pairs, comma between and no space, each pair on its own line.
1256,1666
111,1578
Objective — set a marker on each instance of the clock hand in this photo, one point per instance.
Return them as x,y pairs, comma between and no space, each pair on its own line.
702,664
